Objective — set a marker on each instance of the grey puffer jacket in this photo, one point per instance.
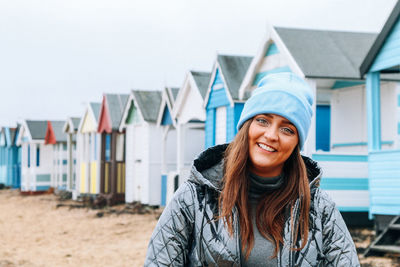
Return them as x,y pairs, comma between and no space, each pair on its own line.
187,235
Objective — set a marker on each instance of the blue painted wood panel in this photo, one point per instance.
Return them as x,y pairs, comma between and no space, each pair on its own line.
373,110
384,182
323,127
238,112
210,128
343,84
166,118
163,190
389,55
218,95
344,183
261,75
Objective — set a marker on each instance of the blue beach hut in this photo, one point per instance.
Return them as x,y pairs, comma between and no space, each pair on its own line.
9,157
222,104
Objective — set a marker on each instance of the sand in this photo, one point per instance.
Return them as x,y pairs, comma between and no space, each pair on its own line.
34,232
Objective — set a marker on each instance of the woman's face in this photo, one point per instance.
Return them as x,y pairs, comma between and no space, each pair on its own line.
272,139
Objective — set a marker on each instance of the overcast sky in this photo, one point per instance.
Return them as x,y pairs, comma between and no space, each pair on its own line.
58,55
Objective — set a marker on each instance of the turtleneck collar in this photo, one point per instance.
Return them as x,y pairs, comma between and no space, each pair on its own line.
259,186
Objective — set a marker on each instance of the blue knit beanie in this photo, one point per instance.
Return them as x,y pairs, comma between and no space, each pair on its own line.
284,94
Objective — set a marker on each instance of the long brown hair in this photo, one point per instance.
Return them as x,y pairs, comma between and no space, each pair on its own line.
270,216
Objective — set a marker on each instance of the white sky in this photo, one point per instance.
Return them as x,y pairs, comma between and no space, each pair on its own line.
57,55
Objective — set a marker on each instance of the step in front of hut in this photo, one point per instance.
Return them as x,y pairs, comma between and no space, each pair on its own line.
387,242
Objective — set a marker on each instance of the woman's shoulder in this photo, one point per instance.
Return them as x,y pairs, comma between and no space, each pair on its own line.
322,202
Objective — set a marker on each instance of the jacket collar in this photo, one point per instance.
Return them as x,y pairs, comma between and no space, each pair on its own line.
208,167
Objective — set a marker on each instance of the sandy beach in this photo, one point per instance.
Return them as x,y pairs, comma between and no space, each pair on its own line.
35,232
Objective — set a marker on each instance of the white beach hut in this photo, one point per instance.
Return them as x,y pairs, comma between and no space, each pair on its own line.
88,149
70,129
36,157
143,142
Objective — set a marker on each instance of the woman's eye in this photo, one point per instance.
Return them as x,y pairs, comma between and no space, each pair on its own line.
287,130
262,121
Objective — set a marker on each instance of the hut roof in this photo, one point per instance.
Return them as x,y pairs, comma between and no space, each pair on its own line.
37,129
58,131
96,109
174,91
234,69
116,106
149,103
202,79
327,54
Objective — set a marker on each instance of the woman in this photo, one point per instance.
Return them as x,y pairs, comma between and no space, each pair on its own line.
256,201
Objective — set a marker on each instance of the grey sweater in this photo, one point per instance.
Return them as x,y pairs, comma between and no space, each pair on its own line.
263,248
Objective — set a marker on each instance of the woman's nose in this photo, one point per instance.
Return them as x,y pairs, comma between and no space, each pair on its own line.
271,133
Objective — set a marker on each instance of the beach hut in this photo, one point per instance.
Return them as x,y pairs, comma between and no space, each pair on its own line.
143,142
15,158
3,157
167,123
222,104
70,128
36,157
57,140
112,169
88,149
190,116
329,61
382,110
9,157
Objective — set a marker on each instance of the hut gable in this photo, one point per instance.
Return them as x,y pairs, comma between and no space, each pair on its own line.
383,53
167,103
89,121
112,109
71,125
189,101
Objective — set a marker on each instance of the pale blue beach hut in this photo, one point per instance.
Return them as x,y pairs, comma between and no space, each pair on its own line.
10,157
328,61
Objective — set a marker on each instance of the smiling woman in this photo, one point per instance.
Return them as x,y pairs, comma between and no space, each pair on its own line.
256,201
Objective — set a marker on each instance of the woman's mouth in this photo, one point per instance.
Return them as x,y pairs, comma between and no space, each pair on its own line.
266,147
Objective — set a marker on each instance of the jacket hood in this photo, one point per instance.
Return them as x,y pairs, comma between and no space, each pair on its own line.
208,168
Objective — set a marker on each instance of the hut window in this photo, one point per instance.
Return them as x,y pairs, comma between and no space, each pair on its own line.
108,147
29,156
37,156
64,145
120,147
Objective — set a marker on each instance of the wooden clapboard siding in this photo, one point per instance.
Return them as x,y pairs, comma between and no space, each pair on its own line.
384,182
345,179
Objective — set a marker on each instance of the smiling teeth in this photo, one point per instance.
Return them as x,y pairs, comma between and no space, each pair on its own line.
270,149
